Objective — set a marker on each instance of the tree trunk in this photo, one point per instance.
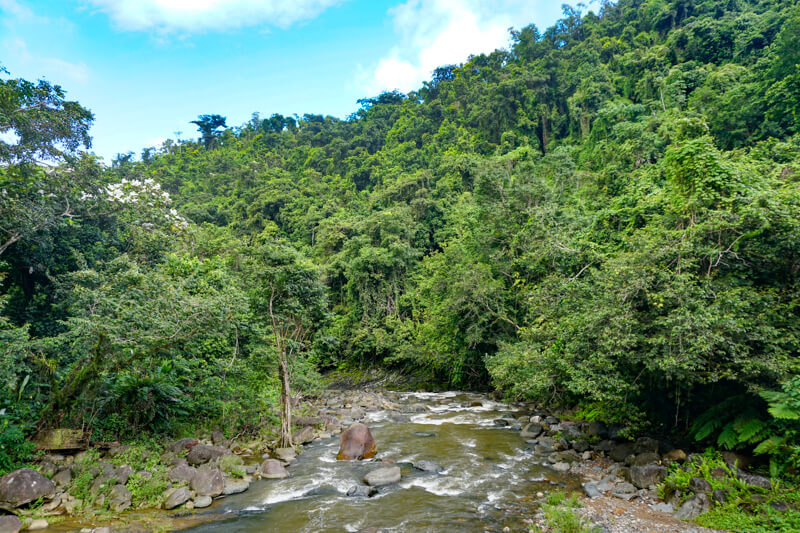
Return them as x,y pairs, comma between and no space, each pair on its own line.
285,439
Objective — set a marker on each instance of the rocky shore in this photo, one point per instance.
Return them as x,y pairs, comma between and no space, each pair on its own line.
93,489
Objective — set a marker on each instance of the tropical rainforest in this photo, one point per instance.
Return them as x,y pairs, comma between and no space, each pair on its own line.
605,216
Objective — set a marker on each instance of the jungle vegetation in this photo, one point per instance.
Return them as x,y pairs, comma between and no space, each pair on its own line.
606,215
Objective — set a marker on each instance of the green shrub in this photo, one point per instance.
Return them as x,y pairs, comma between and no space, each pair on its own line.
15,451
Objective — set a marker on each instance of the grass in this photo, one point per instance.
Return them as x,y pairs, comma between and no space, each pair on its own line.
748,509
560,513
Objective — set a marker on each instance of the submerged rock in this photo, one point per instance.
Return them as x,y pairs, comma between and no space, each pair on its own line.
362,491
428,466
356,443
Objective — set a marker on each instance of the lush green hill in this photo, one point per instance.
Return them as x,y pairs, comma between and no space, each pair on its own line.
605,215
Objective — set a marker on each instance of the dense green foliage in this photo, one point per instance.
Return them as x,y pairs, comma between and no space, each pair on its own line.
606,214
765,510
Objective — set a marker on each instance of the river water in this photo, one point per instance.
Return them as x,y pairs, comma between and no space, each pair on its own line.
489,482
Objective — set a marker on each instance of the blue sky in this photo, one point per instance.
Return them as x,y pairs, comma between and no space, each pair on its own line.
148,67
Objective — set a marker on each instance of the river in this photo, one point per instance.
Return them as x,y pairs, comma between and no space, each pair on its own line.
490,479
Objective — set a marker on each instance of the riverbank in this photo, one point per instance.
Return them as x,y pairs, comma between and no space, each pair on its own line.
489,464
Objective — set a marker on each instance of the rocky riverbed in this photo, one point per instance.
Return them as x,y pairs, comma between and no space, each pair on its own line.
444,461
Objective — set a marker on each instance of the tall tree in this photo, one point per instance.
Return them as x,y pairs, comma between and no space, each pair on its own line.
208,126
289,295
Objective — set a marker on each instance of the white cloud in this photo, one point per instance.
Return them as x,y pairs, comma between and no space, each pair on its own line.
53,68
434,33
203,15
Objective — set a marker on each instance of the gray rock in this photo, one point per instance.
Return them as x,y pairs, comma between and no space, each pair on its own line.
24,486
580,446
693,507
120,498
719,496
208,483
561,467
663,508
122,474
648,475
646,458
645,445
203,453
273,469
176,497
383,476
63,477
621,451
39,523
181,445
217,437
10,524
698,485
304,435
590,489
182,474
428,466
48,468
624,491
606,484
361,491
756,481
201,502
531,431
287,455
235,486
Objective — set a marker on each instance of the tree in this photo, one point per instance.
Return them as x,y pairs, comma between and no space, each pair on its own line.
288,293
208,125
42,123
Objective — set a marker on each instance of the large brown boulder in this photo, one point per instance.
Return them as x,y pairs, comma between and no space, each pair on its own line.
24,486
356,443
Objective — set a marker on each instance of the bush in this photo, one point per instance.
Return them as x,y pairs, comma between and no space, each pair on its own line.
15,451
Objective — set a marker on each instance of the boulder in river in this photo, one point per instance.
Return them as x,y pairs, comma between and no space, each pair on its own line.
361,491
428,466
235,486
24,486
356,443
202,501
273,469
383,476
304,435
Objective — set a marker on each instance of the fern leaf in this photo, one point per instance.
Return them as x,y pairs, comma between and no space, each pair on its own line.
729,437
748,428
770,445
784,411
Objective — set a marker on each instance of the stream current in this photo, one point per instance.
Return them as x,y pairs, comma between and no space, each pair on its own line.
489,482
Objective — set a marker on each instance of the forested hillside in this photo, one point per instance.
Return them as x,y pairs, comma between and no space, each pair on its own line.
606,215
